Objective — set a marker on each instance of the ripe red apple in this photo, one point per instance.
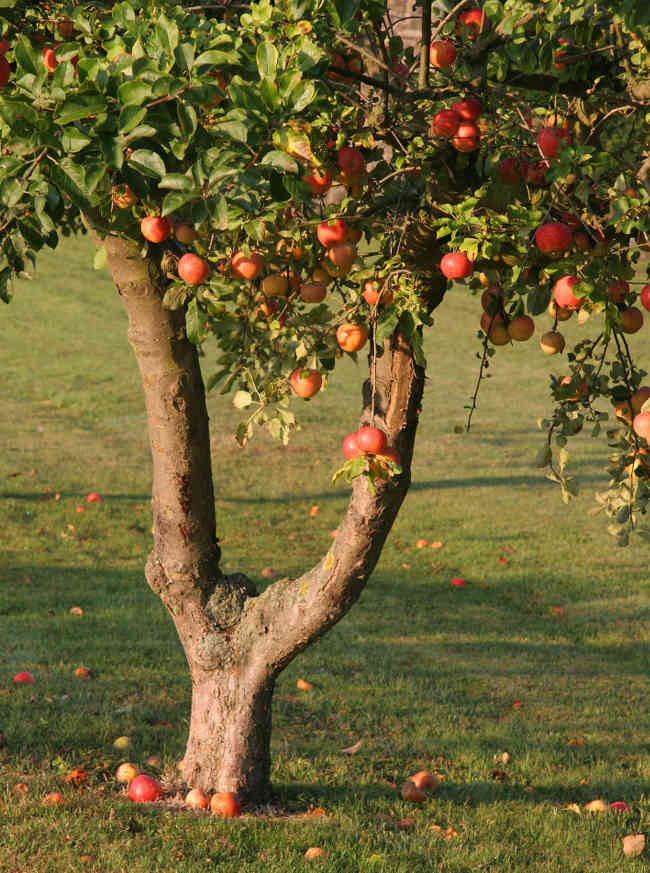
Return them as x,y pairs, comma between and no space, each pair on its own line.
456,265
512,171
645,297
351,446
4,46
320,180
342,255
54,798
442,54
313,292
306,382
641,425
474,20
467,138
66,28
193,269
331,232
94,497
23,677
632,319
145,789
553,238
390,454
5,71
246,266
425,780
197,799
225,805
371,440
551,139
618,291
563,293
581,241
469,109
411,792
155,229
351,336
374,292
184,233
445,123
491,298
351,160
521,328
49,59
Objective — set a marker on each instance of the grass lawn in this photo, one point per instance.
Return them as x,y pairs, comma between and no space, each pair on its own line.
543,655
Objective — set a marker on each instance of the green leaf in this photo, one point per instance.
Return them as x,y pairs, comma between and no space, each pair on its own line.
94,172
176,200
270,95
11,191
241,399
388,321
193,322
26,57
187,119
80,106
134,93
267,59
130,117
74,140
99,261
148,163
234,129
280,161
303,96
184,55
69,180
215,58
176,182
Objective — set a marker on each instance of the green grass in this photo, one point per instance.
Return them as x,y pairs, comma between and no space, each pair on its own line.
427,675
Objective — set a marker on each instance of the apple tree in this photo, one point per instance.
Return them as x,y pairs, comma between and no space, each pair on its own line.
275,185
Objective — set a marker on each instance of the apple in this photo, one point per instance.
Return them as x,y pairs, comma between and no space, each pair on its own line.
458,582
123,197
306,382
122,743
354,235
495,330
632,319
475,20
126,773
445,123
371,440
197,799
23,678
553,238
351,446
275,285
155,229
512,171
54,798
401,70
618,291
93,497
66,28
4,46
412,793
645,297
342,255
314,852
351,160
551,139
192,269
556,311
313,292
246,266
184,233
521,328
145,789
468,109
82,673
5,71
552,342
442,54
320,181
389,454
375,293
563,293
331,232
456,265
225,805
425,780
641,425
351,336
491,299
49,59
467,137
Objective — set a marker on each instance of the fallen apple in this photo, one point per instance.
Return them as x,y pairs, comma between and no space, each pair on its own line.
145,789
126,773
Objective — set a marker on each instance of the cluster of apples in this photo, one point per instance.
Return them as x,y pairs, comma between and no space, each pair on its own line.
371,442
351,172
146,789
457,123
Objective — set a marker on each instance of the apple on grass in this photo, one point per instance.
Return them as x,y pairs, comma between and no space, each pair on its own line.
145,789
126,772
24,677
226,805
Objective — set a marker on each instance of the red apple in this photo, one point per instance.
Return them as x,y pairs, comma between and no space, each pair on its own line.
371,440
225,805
474,20
351,446
563,293
551,139
193,269
618,291
49,59
320,181
521,328
641,425
351,160
23,677
467,138
184,233
306,382
245,266
445,123
513,171
93,497
197,799
330,233
155,229
442,54
4,46
145,789
553,238
468,109
456,265
5,71
645,297
632,319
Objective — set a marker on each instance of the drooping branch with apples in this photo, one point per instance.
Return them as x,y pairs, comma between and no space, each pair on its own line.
280,185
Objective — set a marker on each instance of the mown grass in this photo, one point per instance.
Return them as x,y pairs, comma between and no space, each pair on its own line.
543,655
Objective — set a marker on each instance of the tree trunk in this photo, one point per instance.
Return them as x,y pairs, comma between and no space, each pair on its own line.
236,642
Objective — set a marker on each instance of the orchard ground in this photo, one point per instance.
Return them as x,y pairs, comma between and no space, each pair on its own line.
543,654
